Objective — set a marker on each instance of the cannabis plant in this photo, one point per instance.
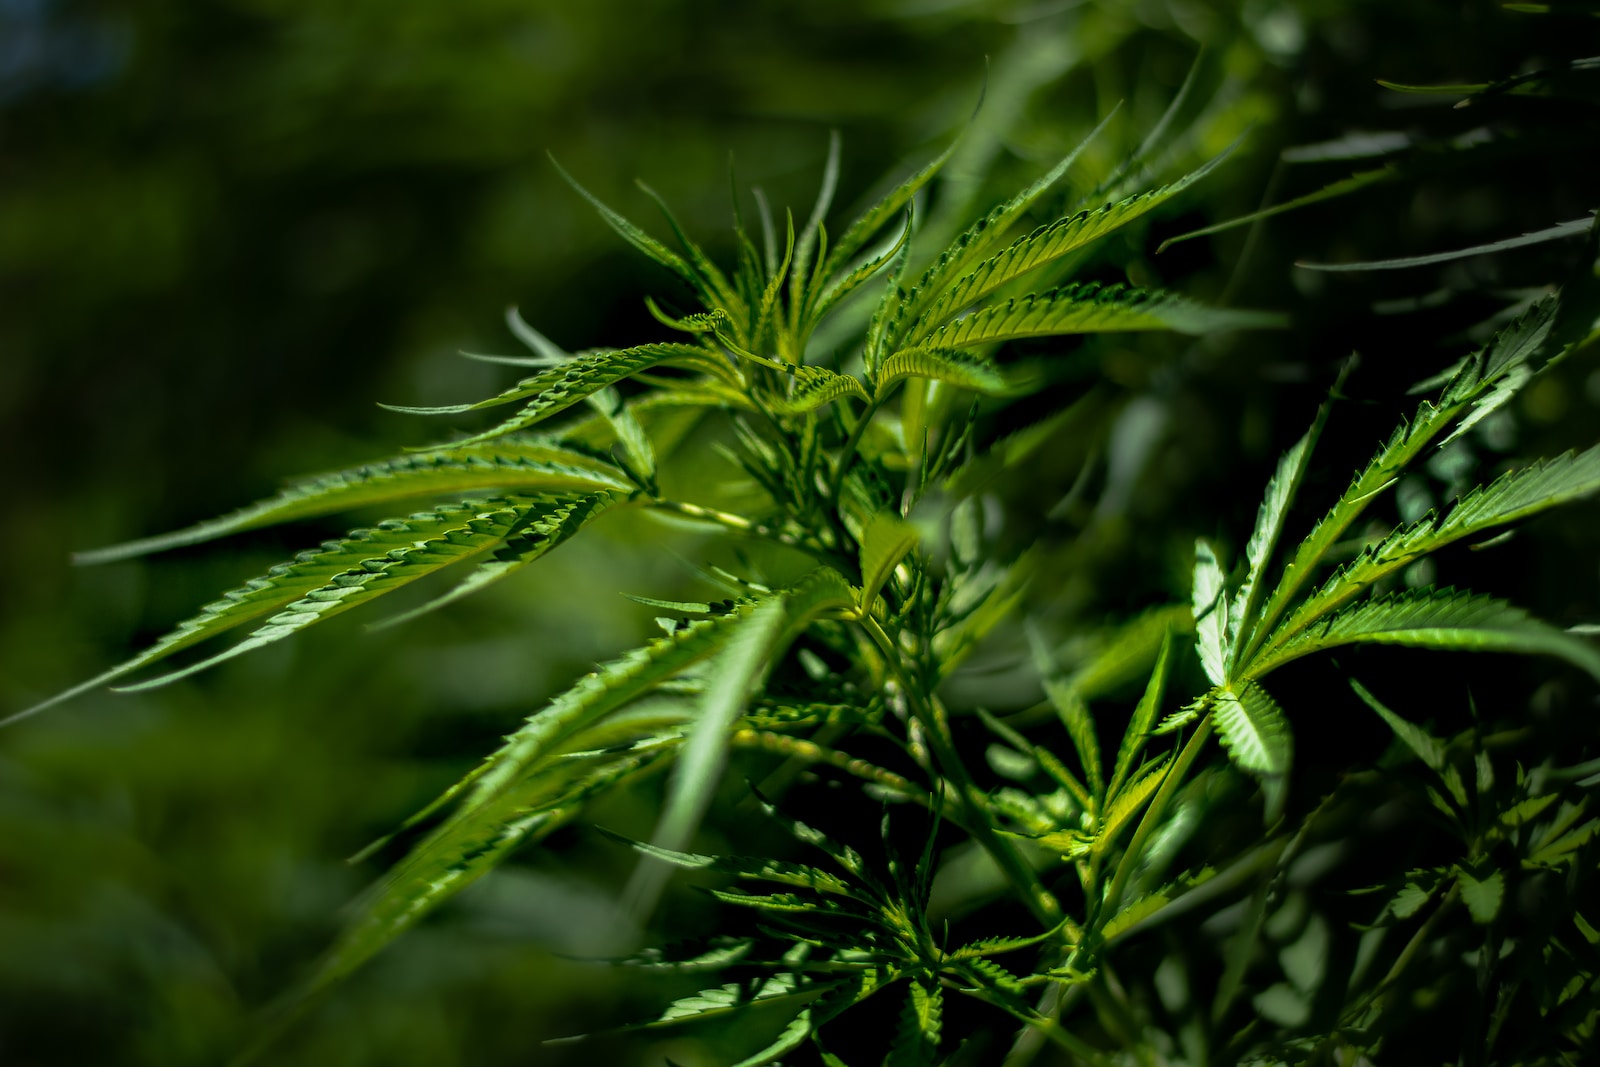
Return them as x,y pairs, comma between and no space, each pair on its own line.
868,392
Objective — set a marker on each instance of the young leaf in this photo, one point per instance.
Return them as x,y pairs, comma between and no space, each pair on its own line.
508,464
886,541
1127,803
1144,715
916,1040
1253,730
1482,895
1431,618
1091,308
859,232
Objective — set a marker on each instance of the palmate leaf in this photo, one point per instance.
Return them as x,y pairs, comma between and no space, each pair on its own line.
1523,344
949,365
1091,308
1252,728
1510,498
553,391
972,245
1046,245
494,802
528,465
1429,618
341,574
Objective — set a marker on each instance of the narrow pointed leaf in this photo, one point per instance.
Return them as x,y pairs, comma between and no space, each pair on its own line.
1127,803
1429,618
530,542
508,464
1144,715
1574,228
1091,308
1342,187
1429,749
916,1041
1075,716
876,217
1046,245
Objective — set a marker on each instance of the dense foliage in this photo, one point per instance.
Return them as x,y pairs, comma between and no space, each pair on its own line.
944,703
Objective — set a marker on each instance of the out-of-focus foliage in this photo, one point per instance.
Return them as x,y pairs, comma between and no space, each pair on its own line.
224,230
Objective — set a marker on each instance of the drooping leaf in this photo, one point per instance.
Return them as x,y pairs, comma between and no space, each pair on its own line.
1091,308
1252,728
531,541
504,801
325,581
1046,245
515,464
1431,618
734,675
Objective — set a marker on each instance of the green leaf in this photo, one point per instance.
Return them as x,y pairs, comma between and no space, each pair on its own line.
857,277
652,248
1429,749
1430,618
916,1040
1253,730
1519,345
1091,308
886,540
511,464
1510,498
1574,228
509,797
983,236
1075,716
734,675
1343,187
1281,491
729,998
1482,895
806,245
1210,603
532,540
325,581
1046,245
553,391
1124,805
948,365
859,232
1144,715
815,386
836,999
711,276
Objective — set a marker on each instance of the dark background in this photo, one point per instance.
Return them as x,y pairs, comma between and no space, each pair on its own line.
227,229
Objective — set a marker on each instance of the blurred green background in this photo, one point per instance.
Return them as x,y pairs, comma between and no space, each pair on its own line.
227,229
